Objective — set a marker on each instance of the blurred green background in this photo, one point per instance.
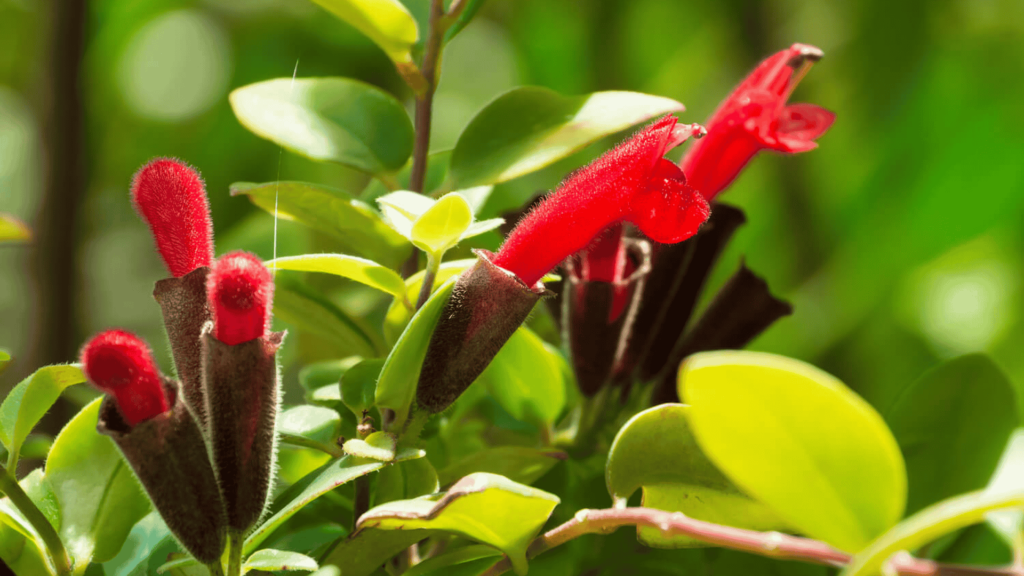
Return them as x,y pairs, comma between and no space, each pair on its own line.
899,241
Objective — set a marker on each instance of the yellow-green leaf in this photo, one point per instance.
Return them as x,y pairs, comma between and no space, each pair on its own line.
352,267
386,22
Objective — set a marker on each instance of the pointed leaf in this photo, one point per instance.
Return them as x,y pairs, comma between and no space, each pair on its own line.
798,440
440,227
477,228
31,399
656,451
308,311
952,426
928,524
476,196
319,374
483,507
396,388
529,128
409,479
517,463
100,499
377,446
330,476
278,560
526,379
386,22
313,422
352,267
329,119
353,223
359,385
468,561
365,551
402,208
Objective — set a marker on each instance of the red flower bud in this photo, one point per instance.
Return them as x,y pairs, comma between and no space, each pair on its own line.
631,183
240,290
755,117
171,198
120,363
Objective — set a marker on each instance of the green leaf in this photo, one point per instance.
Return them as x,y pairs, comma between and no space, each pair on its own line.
275,560
470,10
929,524
377,446
409,479
1009,477
313,422
441,227
656,451
401,209
328,119
529,128
22,554
398,315
13,231
353,223
352,267
484,507
396,388
5,359
359,385
305,309
437,173
319,374
517,463
142,548
526,379
30,400
468,561
100,500
478,228
952,426
363,553
796,439
330,476
386,22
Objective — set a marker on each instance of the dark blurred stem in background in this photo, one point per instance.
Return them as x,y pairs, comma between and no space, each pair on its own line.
757,19
55,262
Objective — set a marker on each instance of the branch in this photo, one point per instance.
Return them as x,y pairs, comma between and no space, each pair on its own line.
425,101
25,505
770,544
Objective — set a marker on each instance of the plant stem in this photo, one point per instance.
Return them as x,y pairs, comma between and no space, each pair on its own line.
215,569
304,442
58,555
433,265
770,544
235,545
362,501
425,101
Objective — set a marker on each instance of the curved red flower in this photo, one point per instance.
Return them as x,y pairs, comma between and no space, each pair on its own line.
755,117
121,364
240,290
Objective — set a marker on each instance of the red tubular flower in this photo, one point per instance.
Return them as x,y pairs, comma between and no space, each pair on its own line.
755,117
240,290
120,363
171,198
630,183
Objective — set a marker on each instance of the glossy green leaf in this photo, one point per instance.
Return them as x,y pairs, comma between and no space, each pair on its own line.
952,426
141,550
483,507
398,315
656,451
409,479
377,446
330,476
441,227
386,22
13,231
352,267
401,209
303,308
525,377
100,500
20,553
1009,478
928,524
5,359
478,228
36,446
363,553
359,385
30,400
517,463
396,388
795,438
353,223
468,11
278,560
319,374
313,422
468,561
329,119
529,128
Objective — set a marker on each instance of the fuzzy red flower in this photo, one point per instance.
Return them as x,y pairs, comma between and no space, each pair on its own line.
171,198
121,364
755,117
240,290
631,183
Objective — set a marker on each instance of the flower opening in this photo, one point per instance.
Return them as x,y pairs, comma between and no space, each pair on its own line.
240,290
120,363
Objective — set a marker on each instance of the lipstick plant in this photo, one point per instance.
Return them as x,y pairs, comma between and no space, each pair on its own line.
519,392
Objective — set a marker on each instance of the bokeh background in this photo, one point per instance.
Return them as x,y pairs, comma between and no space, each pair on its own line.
899,241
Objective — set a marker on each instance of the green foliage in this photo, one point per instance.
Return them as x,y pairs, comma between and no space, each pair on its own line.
843,479
529,128
29,401
359,385
13,231
386,22
313,422
305,308
329,119
526,379
352,267
517,463
268,560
